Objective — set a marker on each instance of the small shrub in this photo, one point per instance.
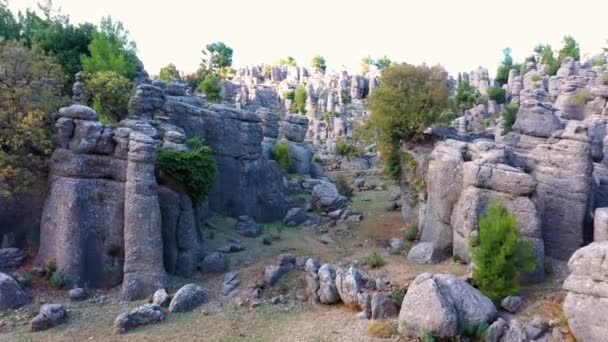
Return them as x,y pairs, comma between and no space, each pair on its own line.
289,95
317,159
536,78
193,168
58,279
345,149
580,98
345,97
211,236
282,284
212,88
329,115
475,331
497,94
427,337
344,188
26,280
599,62
49,269
457,259
410,232
509,115
110,93
380,329
300,99
280,154
267,240
397,297
500,254
375,260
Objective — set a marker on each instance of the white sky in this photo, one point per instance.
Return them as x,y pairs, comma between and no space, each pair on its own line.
459,34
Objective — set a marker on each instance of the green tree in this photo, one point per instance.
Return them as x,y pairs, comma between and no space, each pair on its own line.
169,73
217,56
546,56
497,94
25,108
111,50
196,78
466,96
194,168
500,254
110,93
502,73
300,99
570,49
212,88
9,27
408,100
288,61
280,154
509,115
365,63
318,62
383,62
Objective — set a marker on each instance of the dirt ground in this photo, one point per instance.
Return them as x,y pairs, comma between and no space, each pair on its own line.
219,320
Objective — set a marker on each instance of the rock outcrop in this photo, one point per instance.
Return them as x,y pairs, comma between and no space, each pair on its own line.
12,295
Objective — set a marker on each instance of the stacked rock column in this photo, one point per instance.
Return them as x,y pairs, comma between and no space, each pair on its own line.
143,266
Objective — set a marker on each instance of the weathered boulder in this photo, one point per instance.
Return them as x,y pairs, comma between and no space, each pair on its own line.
435,304
214,262
301,157
161,298
295,216
312,278
425,253
247,227
230,284
11,257
295,127
350,284
587,300
328,292
382,306
270,122
512,303
187,298
50,315
600,224
143,315
12,295
536,119
77,294
325,196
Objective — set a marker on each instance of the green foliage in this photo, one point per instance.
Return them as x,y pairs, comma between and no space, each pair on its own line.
365,63
397,297
375,260
408,100
25,109
169,73
383,62
9,27
196,78
500,254
193,168
267,240
26,280
282,284
110,93
580,98
497,94
318,62
217,56
280,154
410,232
345,149
300,99
466,96
509,115
570,49
502,73
111,50
343,187
289,95
329,115
212,88
363,132
427,337
547,56
599,62
345,97
536,78
58,279
288,61
476,331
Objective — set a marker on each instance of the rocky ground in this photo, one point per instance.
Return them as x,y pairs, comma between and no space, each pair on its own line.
294,318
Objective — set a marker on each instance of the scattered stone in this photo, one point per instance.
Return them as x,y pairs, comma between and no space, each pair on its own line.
280,299
214,263
328,292
512,303
247,227
295,217
187,298
425,253
382,306
349,284
273,273
145,314
161,298
50,315
397,246
12,295
231,248
77,294
230,284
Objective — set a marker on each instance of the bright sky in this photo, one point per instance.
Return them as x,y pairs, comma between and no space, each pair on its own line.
459,34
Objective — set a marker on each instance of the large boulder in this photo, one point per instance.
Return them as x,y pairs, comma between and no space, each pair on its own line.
325,196
50,315
143,315
295,127
12,295
350,285
188,297
327,292
11,258
436,304
536,119
586,303
247,227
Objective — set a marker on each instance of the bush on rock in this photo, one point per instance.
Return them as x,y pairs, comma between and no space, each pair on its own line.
280,154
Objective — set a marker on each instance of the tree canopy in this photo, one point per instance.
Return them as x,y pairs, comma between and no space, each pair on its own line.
502,73
169,73
466,96
288,61
217,56
570,49
318,62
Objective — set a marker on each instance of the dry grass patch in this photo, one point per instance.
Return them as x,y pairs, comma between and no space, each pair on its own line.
381,329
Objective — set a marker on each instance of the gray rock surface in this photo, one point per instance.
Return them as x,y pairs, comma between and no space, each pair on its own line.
11,257
382,306
161,298
425,253
436,303
325,196
143,315
600,224
328,292
77,294
12,295
187,298
214,262
247,227
50,315
512,303
350,284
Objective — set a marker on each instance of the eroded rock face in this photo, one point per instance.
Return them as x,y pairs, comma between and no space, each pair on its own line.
350,285
435,304
12,295
50,315
188,297
587,300
145,314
